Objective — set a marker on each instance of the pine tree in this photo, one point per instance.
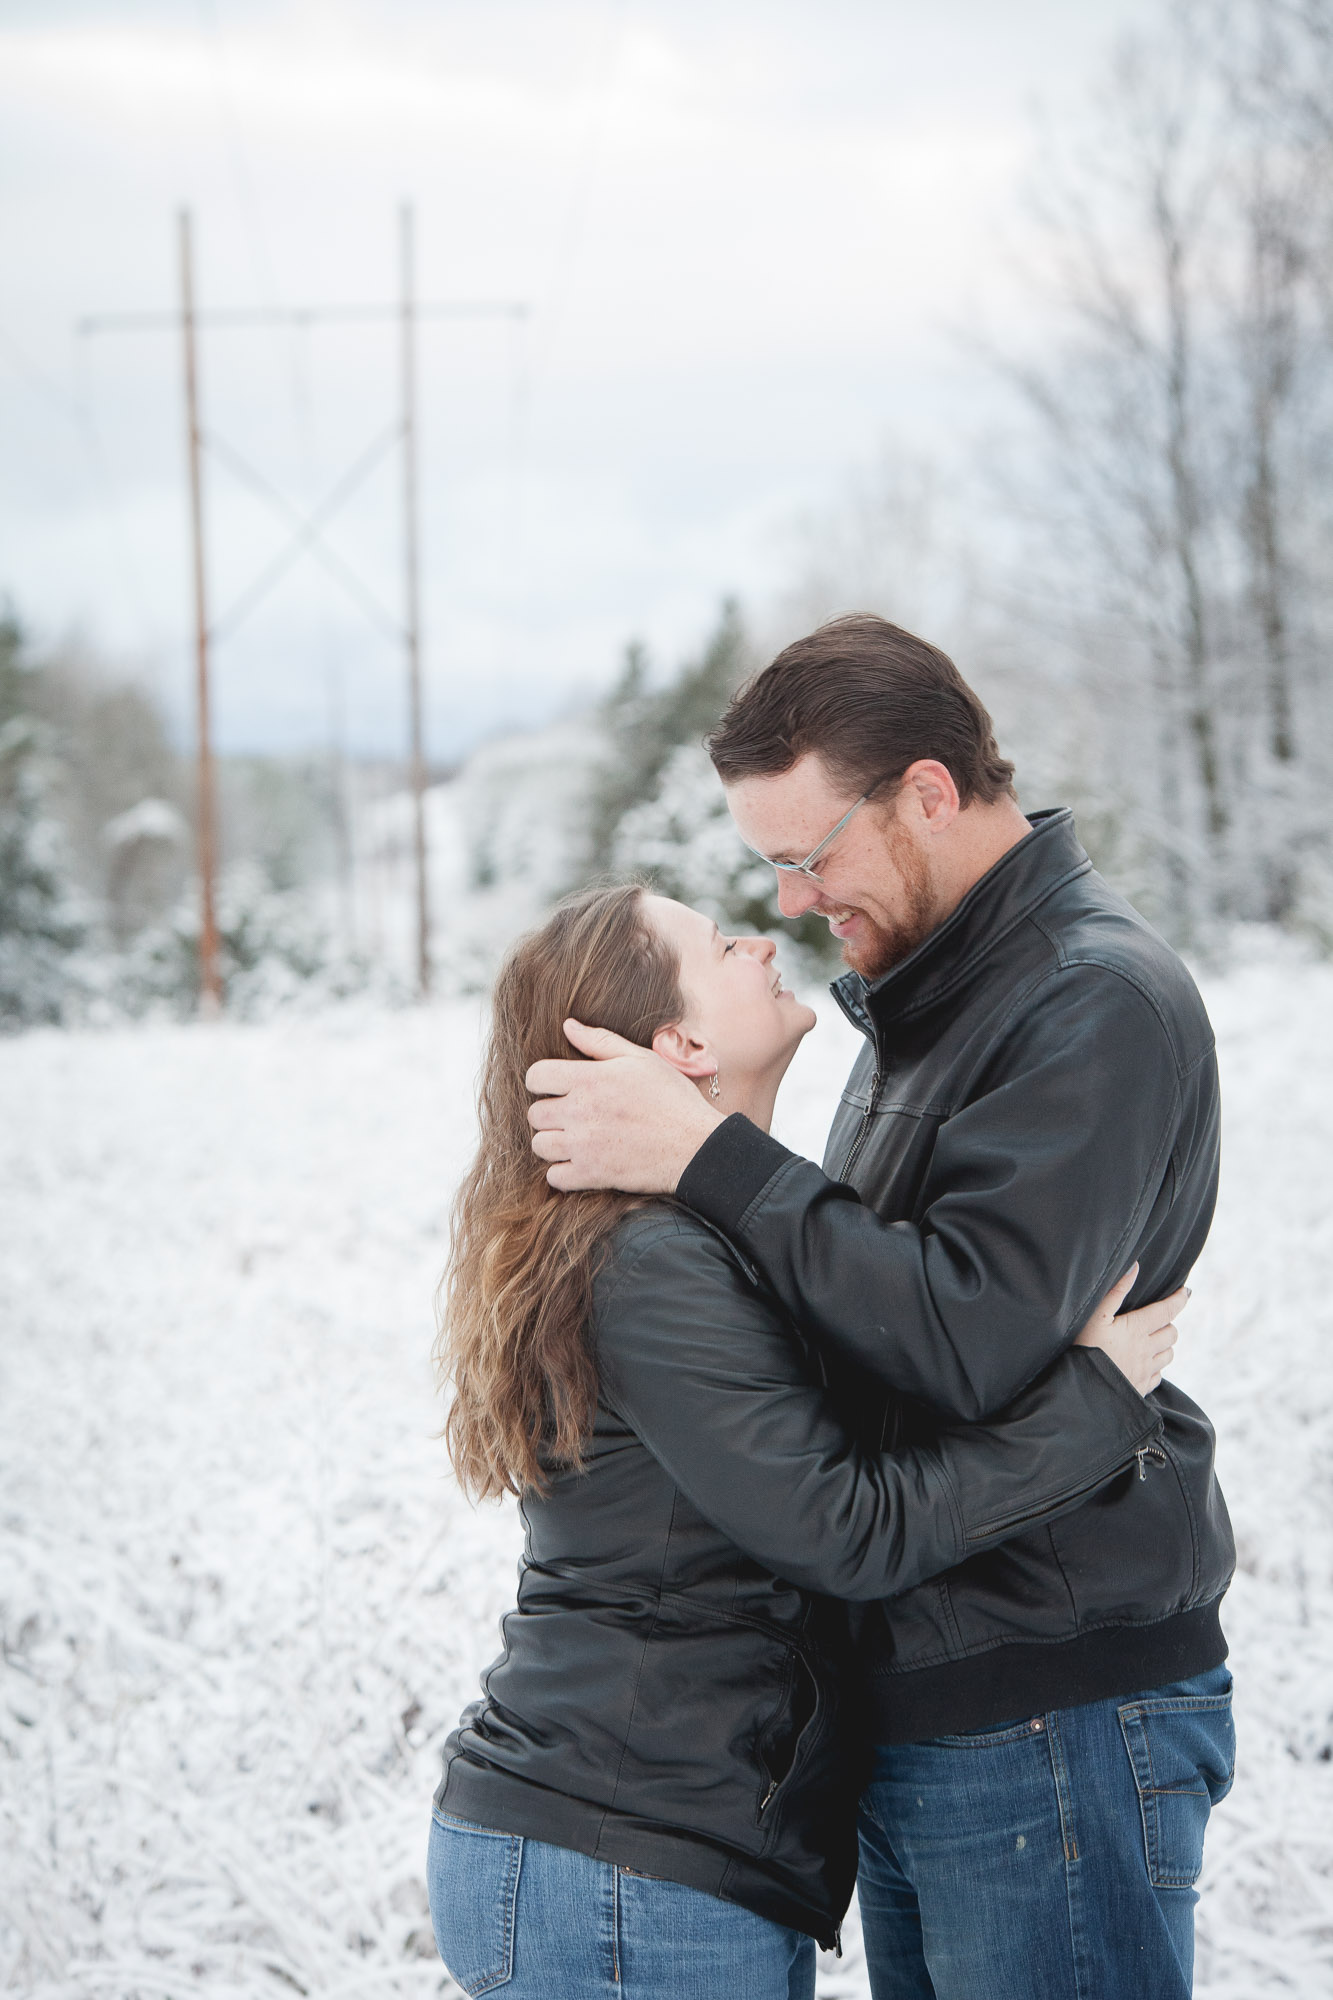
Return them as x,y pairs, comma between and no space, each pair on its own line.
645,725
40,925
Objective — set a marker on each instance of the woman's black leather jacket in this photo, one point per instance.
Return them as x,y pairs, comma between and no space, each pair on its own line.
671,1694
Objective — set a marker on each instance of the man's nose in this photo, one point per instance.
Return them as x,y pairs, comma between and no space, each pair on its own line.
797,894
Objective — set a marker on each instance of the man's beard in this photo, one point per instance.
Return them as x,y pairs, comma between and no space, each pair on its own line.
882,946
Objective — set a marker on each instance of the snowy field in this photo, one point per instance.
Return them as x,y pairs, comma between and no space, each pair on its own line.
242,1603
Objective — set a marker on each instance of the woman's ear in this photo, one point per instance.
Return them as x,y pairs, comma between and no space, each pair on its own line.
684,1051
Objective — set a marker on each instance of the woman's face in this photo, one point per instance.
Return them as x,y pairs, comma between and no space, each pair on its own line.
740,1020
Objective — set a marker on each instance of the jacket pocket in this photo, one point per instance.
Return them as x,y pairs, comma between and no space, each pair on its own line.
785,1738
472,1875
1182,1749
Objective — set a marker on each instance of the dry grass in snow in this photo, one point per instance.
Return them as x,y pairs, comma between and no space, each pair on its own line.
242,1603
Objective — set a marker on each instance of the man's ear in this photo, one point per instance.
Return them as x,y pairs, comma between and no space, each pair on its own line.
931,794
684,1052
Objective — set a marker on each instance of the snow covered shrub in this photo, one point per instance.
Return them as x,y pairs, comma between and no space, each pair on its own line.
146,849
684,839
41,922
658,808
276,952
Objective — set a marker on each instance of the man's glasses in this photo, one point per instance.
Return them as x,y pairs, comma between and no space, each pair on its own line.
807,867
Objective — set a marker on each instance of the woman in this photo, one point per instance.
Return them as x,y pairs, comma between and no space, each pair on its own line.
655,1794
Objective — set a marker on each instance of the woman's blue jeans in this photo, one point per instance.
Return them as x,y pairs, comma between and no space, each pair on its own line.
1051,1859
535,1922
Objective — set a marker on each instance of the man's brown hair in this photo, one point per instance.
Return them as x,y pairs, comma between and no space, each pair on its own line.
870,699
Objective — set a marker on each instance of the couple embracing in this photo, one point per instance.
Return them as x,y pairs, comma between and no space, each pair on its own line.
864,1539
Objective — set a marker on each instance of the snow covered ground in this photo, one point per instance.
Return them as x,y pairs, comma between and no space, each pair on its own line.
242,1603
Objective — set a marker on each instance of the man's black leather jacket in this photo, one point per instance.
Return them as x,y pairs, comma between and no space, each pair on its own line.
1036,1108
674,1692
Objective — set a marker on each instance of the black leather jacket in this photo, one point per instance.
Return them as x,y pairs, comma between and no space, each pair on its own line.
1036,1108
673,1693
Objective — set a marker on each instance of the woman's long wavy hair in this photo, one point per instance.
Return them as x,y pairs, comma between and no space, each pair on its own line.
515,1298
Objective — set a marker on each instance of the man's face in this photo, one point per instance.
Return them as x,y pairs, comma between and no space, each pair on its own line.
875,888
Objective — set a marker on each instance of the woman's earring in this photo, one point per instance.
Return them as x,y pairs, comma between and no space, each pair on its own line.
714,1089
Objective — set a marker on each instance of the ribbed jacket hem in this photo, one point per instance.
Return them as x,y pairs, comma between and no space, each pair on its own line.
498,1799
1009,1682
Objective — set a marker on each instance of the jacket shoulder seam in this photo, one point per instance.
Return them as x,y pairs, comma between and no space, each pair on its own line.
664,1229
1093,961
1088,961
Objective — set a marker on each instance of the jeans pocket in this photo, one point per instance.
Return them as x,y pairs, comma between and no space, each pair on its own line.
1183,1752
472,1875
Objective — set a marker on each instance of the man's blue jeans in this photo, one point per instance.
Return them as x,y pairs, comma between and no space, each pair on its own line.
1050,1859
535,1922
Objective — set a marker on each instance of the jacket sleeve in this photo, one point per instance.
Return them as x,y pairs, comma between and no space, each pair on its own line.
1036,1197
706,1371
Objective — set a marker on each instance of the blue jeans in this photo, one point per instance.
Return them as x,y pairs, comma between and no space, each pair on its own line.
545,1923
1049,1859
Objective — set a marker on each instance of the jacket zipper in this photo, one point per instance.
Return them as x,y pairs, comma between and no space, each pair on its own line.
857,1146
1085,1485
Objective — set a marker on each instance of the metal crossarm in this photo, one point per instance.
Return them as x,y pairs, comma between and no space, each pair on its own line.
307,537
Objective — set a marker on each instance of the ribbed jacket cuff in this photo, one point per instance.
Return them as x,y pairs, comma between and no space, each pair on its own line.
734,1164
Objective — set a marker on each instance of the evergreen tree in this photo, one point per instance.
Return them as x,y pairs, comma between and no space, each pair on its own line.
40,925
660,810
645,725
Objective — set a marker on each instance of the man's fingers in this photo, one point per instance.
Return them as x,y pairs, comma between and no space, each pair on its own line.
548,1114
553,1076
599,1042
550,1146
564,1179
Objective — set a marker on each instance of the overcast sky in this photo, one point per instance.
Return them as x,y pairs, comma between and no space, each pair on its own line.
746,229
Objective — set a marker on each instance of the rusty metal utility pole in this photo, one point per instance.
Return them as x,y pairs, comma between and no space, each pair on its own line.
412,591
210,977
408,311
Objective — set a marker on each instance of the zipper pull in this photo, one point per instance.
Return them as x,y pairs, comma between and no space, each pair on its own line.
772,1787
1149,1451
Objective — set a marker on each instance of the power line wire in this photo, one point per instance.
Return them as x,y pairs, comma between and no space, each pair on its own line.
307,538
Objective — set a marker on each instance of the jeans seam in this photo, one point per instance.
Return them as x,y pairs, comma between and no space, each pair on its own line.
1139,1749
1064,1801
511,1903
615,1926
503,1972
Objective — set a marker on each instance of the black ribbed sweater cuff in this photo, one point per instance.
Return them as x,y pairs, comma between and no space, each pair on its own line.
734,1164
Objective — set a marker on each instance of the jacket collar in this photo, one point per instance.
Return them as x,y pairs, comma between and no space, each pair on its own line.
1034,869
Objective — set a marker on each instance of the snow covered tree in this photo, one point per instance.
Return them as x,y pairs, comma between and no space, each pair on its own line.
660,810
41,925
644,725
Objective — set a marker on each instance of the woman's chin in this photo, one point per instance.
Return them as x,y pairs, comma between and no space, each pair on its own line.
800,1019
805,1018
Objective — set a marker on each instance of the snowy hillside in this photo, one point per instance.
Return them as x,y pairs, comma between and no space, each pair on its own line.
242,1603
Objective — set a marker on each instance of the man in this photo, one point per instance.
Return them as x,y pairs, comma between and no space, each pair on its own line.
1035,1109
